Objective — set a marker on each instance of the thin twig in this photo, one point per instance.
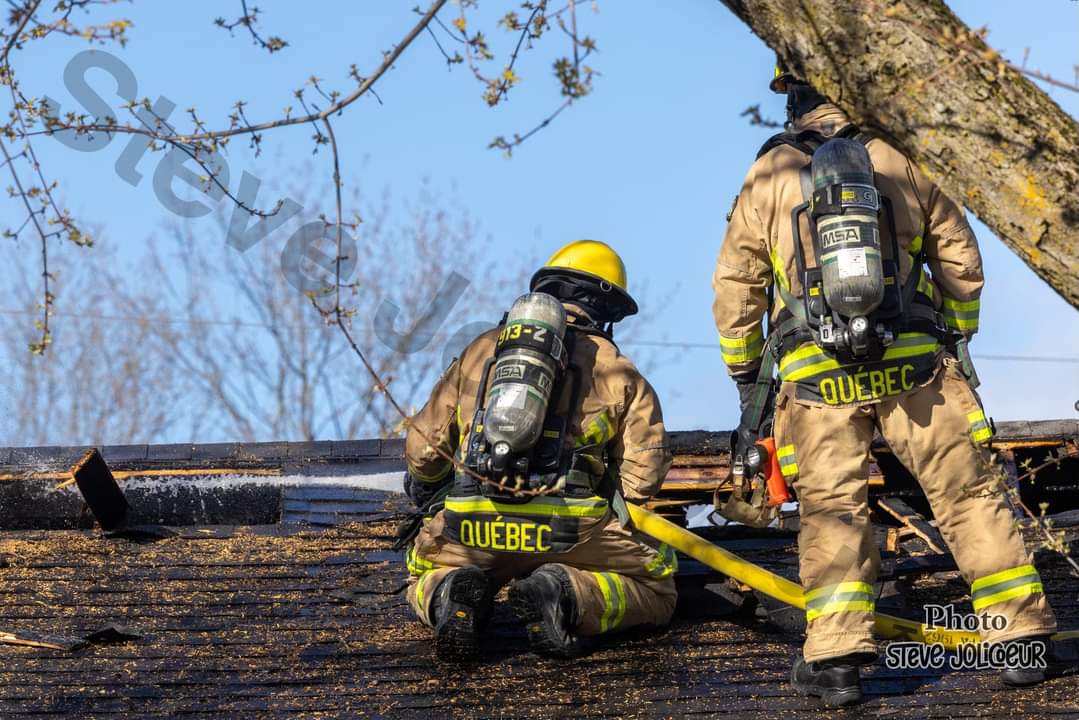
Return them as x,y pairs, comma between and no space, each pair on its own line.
1051,542
30,9
388,60
1045,77
39,347
340,316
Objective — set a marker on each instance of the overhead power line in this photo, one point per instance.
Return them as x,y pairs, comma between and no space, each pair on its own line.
671,344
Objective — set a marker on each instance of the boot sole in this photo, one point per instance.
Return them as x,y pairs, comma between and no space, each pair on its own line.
529,611
458,638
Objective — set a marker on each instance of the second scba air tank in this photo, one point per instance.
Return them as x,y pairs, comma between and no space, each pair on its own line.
529,358
845,208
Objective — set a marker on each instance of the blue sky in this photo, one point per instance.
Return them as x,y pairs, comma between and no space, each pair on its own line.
649,163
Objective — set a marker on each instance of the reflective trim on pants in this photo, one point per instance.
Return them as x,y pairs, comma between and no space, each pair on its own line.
421,600
843,597
788,463
614,600
1005,585
415,564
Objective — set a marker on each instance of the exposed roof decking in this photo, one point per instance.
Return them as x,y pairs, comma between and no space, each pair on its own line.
241,622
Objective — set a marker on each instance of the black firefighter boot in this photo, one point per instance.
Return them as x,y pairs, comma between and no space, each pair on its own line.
545,603
459,610
1052,659
836,681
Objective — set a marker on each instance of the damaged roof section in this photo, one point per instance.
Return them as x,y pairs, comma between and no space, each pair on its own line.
259,483
275,593
286,621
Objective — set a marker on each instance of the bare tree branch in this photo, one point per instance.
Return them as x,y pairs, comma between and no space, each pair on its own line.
41,345
365,85
248,20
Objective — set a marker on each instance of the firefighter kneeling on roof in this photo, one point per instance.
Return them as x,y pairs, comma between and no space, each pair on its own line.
831,238
554,430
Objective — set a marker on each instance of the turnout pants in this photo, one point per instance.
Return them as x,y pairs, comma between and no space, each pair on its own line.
939,432
619,582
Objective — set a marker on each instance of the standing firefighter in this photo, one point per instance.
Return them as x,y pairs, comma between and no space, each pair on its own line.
554,430
869,277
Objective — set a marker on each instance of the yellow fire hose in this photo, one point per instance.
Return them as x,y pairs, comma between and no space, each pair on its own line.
726,562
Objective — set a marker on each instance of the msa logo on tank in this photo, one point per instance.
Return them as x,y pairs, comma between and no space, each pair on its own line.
864,346
528,356
853,303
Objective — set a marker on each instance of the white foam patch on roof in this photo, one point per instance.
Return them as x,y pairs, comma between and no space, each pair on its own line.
390,481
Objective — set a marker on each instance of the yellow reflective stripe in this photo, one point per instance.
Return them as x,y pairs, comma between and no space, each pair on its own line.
779,271
1005,585
843,587
415,564
599,431
1003,576
980,429
962,305
911,350
620,611
596,507
608,606
614,600
788,463
739,350
1009,594
925,285
963,324
1010,584
740,342
961,314
866,606
420,592
915,245
606,430
664,564
803,353
854,596
810,370
797,365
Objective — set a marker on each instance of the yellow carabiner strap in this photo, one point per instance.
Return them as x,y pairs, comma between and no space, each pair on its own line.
726,562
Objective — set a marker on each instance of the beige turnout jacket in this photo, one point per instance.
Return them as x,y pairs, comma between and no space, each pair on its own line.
617,409
758,248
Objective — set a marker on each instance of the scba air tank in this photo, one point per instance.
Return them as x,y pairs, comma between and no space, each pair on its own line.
845,206
528,360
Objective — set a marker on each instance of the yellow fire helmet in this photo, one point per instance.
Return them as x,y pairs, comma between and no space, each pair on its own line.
783,75
593,267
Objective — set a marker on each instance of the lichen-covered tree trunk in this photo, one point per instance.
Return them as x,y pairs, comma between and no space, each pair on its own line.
987,136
